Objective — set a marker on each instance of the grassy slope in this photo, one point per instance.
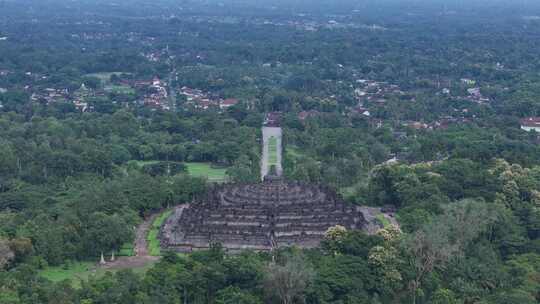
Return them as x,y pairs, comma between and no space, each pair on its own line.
153,241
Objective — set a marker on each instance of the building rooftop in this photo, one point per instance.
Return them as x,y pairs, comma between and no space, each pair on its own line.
531,122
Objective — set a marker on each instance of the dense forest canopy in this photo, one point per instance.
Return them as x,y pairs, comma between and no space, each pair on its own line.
114,111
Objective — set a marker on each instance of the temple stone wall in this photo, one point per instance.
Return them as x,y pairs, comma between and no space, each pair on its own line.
259,217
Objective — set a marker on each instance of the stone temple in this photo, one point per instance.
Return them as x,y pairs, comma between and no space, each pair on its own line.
260,216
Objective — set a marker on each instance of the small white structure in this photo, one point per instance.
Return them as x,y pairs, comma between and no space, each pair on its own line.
530,124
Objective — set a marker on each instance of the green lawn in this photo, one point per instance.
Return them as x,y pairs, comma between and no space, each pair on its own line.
120,89
126,250
81,271
153,241
272,151
206,170
78,272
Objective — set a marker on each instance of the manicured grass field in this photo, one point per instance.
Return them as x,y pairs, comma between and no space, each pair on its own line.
206,170
79,272
272,151
153,241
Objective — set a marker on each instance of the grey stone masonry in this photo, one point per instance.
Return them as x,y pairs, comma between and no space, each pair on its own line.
259,217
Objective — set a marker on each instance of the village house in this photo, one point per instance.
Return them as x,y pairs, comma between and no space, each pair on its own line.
229,102
203,100
530,124
306,114
416,125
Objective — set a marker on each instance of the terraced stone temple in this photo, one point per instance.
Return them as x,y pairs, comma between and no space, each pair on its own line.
259,216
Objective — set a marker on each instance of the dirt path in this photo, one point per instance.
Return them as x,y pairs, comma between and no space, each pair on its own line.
141,243
142,256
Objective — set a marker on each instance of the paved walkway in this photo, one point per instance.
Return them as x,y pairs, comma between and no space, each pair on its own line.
269,132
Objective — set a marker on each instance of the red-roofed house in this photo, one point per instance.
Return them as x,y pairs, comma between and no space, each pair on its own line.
531,123
229,102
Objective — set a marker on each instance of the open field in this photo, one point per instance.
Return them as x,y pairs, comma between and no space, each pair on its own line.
79,272
206,170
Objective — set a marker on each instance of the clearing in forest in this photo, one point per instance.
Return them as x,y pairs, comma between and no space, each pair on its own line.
207,170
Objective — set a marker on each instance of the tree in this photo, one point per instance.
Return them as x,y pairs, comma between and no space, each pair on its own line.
444,296
289,281
22,247
241,171
107,232
446,237
233,295
385,261
333,238
6,254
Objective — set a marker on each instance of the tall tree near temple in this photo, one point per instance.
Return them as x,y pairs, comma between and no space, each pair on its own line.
107,232
333,238
6,254
445,238
385,261
289,280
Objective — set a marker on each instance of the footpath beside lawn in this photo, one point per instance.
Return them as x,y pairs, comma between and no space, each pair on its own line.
146,251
